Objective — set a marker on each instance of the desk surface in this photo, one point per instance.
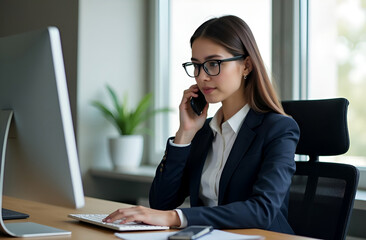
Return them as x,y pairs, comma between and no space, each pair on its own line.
56,216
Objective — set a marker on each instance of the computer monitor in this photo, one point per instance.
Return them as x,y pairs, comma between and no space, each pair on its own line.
37,141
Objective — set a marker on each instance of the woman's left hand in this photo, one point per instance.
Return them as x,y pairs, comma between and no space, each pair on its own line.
146,215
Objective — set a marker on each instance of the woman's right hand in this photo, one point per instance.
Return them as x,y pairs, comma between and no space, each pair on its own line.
190,122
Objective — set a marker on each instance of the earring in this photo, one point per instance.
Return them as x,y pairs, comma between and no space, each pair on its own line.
245,76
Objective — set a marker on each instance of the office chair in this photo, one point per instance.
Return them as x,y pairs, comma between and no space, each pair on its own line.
321,194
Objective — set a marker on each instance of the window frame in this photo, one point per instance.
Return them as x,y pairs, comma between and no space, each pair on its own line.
158,22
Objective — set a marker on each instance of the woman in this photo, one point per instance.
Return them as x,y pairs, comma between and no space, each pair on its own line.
236,167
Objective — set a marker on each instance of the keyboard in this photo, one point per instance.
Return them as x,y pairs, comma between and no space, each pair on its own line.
8,214
130,226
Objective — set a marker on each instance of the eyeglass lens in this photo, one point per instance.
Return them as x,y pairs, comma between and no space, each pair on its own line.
212,68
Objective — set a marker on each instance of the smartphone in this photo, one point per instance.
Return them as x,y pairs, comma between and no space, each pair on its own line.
191,232
198,103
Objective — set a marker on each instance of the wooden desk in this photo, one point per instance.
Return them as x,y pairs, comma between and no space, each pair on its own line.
56,216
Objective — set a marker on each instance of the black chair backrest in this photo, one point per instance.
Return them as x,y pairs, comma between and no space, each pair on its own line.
321,194
323,126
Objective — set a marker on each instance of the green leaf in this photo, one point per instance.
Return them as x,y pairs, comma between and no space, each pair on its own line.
128,122
115,100
107,114
137,116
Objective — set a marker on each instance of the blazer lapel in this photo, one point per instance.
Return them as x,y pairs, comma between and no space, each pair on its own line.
199,156
241,145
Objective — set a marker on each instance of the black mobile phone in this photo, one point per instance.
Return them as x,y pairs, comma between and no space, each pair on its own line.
191,232
198,103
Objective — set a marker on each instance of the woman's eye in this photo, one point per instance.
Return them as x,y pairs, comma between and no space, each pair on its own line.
212,64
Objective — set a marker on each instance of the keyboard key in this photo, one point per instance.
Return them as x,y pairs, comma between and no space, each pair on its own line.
131,226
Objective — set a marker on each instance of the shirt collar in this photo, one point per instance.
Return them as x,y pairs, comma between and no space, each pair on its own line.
235,121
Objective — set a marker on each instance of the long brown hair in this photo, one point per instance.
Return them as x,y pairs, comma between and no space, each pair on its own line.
235,36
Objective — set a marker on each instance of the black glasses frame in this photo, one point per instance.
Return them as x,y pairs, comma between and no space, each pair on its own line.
199,65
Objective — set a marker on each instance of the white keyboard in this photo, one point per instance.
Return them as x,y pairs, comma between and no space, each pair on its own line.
130,226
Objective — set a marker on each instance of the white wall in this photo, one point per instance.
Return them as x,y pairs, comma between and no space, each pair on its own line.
111,49
17,16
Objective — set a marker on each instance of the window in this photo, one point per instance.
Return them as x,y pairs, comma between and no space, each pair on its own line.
337,65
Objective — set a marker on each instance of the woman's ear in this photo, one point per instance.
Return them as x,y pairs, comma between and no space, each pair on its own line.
248,66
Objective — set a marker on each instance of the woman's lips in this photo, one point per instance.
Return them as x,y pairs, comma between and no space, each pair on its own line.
207,90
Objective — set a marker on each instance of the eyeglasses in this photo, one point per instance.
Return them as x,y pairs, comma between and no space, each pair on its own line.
211,67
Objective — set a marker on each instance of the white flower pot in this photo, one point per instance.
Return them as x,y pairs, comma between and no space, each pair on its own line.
126,151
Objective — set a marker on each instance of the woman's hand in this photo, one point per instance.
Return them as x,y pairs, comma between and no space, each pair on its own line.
146,215
190,122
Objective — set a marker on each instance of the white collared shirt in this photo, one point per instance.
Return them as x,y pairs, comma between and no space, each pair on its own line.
223,141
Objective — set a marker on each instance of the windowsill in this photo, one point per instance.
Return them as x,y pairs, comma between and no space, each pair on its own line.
145,174
360,200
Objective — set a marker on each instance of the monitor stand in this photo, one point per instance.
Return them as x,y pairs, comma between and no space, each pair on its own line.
18,229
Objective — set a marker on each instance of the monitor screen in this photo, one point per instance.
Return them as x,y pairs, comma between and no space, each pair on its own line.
41,161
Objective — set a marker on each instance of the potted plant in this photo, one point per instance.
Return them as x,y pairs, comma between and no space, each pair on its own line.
126,150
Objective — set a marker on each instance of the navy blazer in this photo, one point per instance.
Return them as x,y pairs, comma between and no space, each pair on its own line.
254,185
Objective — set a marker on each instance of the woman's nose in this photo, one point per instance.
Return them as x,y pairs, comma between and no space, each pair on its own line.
203,76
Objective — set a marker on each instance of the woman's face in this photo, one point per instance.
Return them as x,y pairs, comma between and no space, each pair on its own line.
228,85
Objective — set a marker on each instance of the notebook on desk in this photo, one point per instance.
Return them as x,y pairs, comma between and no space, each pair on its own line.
96,219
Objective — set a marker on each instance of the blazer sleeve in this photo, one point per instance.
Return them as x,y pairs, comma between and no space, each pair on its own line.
169,188
270,188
